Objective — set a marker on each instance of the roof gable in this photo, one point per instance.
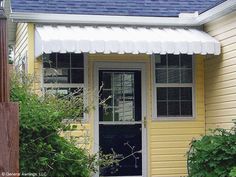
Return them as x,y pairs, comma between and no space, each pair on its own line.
152,8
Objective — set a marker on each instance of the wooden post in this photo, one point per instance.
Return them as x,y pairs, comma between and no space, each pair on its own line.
4,84
9,118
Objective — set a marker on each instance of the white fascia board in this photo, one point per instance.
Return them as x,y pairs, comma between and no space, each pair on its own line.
216,12
100,19
220,10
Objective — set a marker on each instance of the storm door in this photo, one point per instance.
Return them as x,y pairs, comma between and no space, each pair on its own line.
120,122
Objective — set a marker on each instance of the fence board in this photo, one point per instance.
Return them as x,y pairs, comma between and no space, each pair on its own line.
9,136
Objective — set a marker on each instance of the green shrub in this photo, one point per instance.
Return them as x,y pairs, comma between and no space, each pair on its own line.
42,150
233,172
214,155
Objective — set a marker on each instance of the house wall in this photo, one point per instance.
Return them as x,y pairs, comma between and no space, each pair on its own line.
21,46
220,74
167,141
24,50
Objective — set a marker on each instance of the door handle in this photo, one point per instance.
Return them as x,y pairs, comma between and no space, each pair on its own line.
145,122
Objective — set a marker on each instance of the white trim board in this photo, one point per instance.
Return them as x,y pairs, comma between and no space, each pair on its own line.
122,66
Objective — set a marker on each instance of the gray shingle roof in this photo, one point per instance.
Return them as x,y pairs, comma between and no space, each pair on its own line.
161,8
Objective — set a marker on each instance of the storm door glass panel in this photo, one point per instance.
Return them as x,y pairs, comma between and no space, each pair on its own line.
120,127
121,95
126,142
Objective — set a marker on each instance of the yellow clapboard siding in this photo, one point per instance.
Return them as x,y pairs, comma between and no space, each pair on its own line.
220,92
221,106
176,138
221,30
222,78
172,170
228,41
220,99
225,119
173,144
225,125
223,112
219,85
229,48
220,74
227,34
218,23
176,124
177,164
168,157
169,151
180,131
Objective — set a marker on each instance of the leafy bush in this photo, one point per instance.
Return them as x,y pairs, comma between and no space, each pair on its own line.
233,172
42,149
214,155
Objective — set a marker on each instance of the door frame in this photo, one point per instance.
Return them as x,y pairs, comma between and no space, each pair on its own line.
109,65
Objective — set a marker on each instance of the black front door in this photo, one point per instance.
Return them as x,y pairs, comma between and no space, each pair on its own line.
120,125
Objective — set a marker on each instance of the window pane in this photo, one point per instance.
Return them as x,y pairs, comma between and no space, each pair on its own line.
63,76
77,60
173,94
105,96
173,108
77,76
186,76
118,98
63,60
107,114
186,61
173,76
160,61
161,108
50,75
173,61
186,108
129,111
161,76
186,93
106,79
161,94
76,91
49,61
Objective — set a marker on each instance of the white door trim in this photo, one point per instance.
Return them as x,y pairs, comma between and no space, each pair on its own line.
141,66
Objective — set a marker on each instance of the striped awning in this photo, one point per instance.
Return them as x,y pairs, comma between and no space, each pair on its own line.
121,40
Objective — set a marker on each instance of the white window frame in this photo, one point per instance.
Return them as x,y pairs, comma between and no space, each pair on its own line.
164,85
73,85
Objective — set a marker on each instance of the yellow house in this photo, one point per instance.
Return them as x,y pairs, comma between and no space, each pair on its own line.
169,67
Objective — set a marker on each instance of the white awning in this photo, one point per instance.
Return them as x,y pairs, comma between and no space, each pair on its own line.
121,40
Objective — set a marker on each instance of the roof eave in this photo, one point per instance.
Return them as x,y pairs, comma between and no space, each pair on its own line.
220,10
100,19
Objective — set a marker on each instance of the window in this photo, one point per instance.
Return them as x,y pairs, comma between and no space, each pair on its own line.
174,86
63,73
